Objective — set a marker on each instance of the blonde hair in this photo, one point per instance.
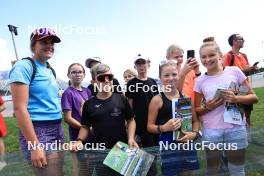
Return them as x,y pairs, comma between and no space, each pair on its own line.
130,72
173,48
210,41
165,63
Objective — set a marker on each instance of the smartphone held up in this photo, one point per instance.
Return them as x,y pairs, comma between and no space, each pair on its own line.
190,54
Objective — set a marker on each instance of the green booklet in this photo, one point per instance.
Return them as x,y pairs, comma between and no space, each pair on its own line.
182,108
128,161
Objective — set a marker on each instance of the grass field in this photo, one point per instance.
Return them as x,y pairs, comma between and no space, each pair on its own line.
255,152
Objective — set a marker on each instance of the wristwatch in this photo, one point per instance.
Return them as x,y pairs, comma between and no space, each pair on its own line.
158,129
197,135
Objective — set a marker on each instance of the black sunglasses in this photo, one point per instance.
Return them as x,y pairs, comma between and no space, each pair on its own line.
240,39
102,78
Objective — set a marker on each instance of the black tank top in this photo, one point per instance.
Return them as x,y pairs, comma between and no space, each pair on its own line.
165,112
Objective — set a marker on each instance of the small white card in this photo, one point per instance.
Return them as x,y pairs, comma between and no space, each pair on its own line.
233,115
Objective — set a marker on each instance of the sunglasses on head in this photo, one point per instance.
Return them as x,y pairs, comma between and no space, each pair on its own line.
165,62
43,32
102,78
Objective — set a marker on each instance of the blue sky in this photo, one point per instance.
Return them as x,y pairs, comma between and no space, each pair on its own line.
118,30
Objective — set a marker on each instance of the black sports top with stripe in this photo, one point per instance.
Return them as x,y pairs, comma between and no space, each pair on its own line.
165,112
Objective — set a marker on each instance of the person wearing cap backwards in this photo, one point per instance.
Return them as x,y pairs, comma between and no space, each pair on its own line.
89,63
37,107
139,92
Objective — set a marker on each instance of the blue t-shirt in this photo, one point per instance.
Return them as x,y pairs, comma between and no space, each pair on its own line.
43,102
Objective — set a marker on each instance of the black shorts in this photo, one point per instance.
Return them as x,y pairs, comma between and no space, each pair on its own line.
248,107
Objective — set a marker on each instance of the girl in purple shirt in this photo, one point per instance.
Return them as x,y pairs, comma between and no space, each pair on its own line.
72,101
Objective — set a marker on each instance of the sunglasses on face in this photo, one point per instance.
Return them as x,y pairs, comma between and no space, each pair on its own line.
43,32
240,39
102,78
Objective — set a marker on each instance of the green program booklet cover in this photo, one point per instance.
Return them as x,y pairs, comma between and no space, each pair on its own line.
182,108
127,161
